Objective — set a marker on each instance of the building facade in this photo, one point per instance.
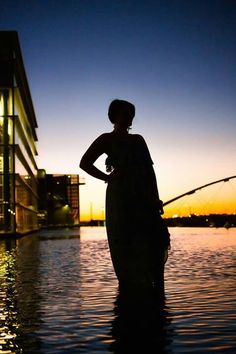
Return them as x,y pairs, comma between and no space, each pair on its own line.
18,168
58,199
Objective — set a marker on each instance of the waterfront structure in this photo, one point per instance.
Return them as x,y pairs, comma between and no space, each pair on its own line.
58,199
18,169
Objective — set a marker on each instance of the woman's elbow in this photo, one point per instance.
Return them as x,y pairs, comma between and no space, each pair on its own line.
83,164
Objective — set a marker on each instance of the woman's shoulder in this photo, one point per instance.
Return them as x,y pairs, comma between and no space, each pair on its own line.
138,138
103,138
103,141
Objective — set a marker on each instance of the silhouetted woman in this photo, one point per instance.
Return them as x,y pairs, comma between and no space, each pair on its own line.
137,237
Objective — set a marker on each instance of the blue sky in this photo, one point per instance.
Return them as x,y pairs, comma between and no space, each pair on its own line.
175,60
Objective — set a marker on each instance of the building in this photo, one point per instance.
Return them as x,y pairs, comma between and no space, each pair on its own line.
18,169
58,199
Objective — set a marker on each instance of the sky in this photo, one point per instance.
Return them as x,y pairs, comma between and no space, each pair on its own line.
174,59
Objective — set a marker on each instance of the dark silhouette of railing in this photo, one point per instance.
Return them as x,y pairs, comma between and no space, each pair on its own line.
196,189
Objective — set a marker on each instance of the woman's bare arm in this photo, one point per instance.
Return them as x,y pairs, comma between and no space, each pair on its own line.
96,149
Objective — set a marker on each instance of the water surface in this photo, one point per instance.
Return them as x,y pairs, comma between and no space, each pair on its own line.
58,294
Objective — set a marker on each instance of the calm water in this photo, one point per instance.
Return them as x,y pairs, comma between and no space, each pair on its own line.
58,294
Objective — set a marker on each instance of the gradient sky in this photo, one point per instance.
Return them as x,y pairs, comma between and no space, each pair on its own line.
175,60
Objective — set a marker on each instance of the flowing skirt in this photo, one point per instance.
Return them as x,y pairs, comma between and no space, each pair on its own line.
137,254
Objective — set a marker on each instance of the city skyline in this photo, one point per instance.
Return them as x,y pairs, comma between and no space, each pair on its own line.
174,60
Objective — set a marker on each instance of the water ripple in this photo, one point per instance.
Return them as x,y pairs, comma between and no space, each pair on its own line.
58,294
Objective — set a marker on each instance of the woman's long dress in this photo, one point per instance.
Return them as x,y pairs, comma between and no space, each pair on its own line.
132,218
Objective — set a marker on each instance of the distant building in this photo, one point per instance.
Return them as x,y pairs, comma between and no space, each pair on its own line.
18,169
58,199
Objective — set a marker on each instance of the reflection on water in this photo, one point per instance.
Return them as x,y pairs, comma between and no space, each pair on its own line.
141,325
8,320
58,294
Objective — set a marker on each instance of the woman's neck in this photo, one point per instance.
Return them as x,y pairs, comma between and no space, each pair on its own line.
121,130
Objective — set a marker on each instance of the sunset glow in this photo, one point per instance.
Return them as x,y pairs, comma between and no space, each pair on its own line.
216,199
175,62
